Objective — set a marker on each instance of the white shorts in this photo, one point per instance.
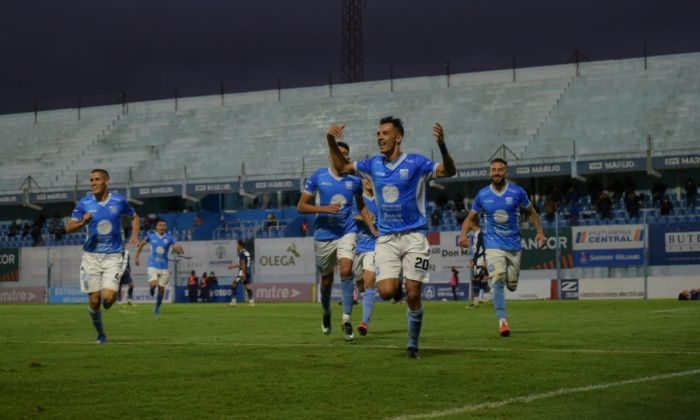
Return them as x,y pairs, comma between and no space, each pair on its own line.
363,262
162,276
504,266
100,271
329,252
403,252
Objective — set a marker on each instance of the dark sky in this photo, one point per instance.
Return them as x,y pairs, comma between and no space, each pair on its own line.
55,51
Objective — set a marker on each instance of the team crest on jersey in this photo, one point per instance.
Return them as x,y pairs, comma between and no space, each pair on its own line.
403,173
113,209
348,185
509,201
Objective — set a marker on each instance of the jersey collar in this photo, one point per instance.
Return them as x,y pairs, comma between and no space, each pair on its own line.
393,165
103,203
500,194
337,178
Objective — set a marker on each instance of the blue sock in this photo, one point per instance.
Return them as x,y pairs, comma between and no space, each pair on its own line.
368,304
499,299
131,293
348,287
415,320
96,316
159,299
326,299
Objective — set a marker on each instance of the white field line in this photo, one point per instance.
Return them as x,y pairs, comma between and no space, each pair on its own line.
668,352
551,394
663,311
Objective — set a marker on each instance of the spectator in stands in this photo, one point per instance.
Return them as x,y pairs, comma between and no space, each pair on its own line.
658,191
304,228
435,219
26,229
692,294
36,232
204,287
57,229
572,200
192,283
594,190
691,191
618,190
632,204
14,229
604,206
666,206
271,221
550,208
461,215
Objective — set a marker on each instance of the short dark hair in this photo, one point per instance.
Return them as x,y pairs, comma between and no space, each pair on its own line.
498,160
343,144
102,171
241,243
393,120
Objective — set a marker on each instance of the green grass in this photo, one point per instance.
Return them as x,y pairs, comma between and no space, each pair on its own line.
271,361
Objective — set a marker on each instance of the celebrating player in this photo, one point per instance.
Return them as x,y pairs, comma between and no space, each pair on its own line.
399,181
363,267
101,265
501,202
158,275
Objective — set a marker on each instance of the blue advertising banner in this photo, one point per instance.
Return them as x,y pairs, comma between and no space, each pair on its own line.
293,184
74,295
674,244
10,199
676,162
157,191
611,165
52,197
431,291
205,188
219,294
608,245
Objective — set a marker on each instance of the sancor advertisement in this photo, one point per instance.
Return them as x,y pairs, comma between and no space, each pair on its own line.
9,264
674,244
608,245
536,258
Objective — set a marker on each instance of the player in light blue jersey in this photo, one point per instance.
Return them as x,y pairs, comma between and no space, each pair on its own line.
161,243
501,203
364,267
400,183
101,265
335,234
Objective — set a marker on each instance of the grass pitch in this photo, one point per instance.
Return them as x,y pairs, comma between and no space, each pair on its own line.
576,359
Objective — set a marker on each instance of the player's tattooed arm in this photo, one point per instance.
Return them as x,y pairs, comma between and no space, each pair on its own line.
447,167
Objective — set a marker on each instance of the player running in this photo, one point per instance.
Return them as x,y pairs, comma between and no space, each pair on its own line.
101,265
501,203
158,275
364,267
399,181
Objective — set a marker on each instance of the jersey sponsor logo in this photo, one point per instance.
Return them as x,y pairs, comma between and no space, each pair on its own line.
509,201
390,194
339,199
104,227
403,173
500,216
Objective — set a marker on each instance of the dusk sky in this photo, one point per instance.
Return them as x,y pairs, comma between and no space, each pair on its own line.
55,51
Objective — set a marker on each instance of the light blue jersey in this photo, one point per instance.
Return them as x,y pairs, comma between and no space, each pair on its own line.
160,248
334,190
365,240
105,227
400,189
502,215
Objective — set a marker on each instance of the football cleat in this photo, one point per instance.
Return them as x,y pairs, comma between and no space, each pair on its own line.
326,324
412,353
347,331
156,310
362,328
101,339
503,329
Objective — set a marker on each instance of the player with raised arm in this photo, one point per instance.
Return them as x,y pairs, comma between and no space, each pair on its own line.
400,183
335,234
244,274
158,275
101,264
501,202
